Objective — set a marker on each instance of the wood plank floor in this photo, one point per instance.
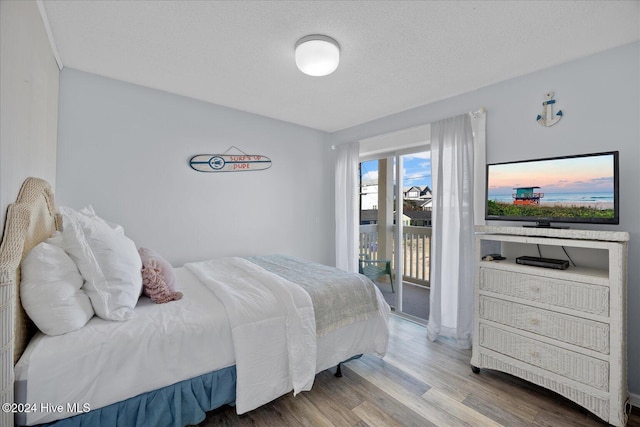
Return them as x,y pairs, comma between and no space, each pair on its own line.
418,383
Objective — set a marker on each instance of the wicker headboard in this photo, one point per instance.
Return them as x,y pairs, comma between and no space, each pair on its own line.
30,220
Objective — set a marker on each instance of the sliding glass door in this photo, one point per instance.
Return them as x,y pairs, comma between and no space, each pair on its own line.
395,229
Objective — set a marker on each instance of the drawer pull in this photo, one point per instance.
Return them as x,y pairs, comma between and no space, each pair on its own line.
534,321
535,354
535,289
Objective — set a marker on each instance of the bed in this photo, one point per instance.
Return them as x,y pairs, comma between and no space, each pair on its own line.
244,332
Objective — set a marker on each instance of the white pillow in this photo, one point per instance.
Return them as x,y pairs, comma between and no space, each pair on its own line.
108,261
90,212
50,290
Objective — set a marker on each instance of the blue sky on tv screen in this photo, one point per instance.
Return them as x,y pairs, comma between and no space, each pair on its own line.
578,175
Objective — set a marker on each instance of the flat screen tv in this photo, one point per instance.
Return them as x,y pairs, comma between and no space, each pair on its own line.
571,189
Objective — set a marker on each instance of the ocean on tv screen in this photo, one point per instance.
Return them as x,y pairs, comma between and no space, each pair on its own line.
554,205
601,200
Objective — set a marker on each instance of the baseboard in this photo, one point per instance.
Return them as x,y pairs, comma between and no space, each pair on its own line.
635,400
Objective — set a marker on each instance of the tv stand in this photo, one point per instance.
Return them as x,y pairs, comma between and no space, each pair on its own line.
564,330
545,224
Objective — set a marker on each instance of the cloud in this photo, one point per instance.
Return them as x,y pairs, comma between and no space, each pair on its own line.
370,177
422,155
418,178
416,170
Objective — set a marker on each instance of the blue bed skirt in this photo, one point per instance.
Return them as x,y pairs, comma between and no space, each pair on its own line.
177,405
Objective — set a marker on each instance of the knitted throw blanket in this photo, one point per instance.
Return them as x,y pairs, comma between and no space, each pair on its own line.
339,297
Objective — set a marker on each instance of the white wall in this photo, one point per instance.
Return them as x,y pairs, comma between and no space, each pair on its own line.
28,100
599,96
124,149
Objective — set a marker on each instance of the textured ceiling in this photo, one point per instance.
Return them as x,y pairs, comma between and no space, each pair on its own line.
396,55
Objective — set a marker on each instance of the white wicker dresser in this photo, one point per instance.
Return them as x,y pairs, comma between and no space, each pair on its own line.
564,330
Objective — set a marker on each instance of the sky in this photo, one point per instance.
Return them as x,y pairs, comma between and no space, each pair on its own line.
582,174
416,168
574,175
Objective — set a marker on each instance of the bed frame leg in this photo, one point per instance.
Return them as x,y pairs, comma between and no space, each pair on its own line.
339,367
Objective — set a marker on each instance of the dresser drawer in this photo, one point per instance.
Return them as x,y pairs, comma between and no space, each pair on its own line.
575,366
561,293
570,329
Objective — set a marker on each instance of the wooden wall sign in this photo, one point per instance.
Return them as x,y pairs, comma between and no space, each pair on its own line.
229,162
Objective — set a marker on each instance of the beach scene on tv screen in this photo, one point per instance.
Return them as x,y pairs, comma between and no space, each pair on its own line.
579,187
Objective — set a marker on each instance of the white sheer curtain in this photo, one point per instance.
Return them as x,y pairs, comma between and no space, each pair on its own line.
346,193
452,241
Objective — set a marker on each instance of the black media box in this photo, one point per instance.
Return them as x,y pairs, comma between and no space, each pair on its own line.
558,264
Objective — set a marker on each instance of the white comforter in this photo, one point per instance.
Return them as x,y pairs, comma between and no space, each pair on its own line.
272,325
107,362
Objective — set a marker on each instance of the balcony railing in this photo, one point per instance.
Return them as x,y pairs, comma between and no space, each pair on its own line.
416,242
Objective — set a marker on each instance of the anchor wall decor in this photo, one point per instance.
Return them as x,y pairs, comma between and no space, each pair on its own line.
547,117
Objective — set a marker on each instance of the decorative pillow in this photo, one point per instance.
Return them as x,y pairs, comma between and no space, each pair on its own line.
50,290
158,278
108,261
148,255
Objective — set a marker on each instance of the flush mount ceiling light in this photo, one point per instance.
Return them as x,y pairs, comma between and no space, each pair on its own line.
317,55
